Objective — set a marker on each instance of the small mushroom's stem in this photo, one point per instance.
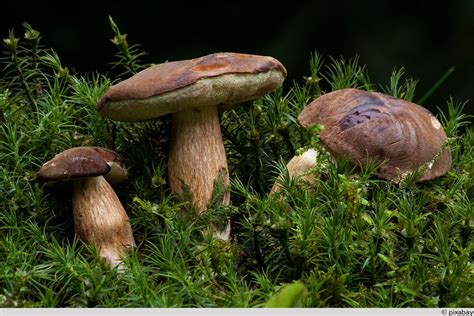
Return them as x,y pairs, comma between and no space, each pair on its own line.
100,219
298,166
197,156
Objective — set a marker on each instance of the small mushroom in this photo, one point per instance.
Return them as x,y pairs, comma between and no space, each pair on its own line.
99,217
298,167
368,126
193,90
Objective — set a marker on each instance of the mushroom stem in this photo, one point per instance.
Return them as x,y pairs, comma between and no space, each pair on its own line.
298,167
100,219
197,155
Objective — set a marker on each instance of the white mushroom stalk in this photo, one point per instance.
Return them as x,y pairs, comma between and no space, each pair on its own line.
298,168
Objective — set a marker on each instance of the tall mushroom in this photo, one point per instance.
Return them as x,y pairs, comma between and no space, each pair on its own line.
366,126
193,90
99,217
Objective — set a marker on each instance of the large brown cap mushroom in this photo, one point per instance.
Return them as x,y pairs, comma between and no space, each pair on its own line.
366,126
215,79
193,90
99,216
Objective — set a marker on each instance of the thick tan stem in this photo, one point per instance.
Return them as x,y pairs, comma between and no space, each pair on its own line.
100,219
197,156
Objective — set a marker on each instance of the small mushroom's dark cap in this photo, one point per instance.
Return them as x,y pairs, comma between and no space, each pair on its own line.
78,162
216,79
373,126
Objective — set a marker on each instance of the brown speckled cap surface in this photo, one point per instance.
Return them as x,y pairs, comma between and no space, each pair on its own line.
172,76
366,125
78,162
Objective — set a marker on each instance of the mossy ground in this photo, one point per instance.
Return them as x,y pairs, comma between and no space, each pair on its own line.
352,240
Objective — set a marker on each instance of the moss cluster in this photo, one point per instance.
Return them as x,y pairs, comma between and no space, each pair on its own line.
347,238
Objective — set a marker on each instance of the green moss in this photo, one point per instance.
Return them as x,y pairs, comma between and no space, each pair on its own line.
347,239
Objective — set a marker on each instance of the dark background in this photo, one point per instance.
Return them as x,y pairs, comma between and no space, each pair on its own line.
423,36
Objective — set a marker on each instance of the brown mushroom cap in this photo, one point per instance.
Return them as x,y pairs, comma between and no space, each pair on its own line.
216,79
81,162
366,126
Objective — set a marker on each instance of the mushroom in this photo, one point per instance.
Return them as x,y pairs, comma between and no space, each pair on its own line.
193,91
99,217
298,168
365,126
